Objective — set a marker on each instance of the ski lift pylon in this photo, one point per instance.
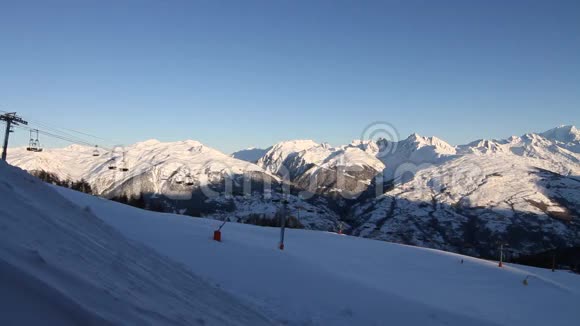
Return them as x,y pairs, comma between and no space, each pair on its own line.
112,165
124,167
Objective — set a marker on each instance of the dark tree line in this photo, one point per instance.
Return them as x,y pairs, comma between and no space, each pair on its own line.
48,177
140,202
262,220
568,258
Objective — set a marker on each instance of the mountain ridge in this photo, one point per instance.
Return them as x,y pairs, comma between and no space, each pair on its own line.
347,186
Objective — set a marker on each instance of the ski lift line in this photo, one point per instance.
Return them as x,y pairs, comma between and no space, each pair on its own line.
89,135
47,126
74,141
77,140
61,133
44,125
35,146
50,126
59,136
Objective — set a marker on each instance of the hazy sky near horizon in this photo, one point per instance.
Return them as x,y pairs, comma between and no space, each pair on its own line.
235,74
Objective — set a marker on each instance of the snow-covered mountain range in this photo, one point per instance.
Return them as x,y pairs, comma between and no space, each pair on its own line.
186,177
422,190
320,168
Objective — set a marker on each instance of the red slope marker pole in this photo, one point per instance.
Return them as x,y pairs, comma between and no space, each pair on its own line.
217,234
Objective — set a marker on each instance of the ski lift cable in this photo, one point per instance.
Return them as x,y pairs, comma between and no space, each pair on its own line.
59,132
59,136
112,165
54,135
50,126
67,139
63,131
74,141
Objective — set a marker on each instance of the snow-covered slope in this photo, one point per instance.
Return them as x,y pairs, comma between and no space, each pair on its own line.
320,168
326,279
560,157
251,154
469,203
565,136
350,169
414,150
346,171
158,165
290,158
522,190
61,265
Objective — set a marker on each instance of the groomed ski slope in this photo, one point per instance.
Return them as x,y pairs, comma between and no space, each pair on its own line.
62,265
328,279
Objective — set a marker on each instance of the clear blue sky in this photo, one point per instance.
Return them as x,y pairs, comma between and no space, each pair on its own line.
234,74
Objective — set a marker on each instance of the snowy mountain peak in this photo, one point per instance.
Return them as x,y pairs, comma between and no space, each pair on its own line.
414,136
191,142
274,159
563,133
149,142
154,143
326,145
295,145
486,146
77,148
438,144
367,146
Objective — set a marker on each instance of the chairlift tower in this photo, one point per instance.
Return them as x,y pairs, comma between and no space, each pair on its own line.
285,203
502,246
11,119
